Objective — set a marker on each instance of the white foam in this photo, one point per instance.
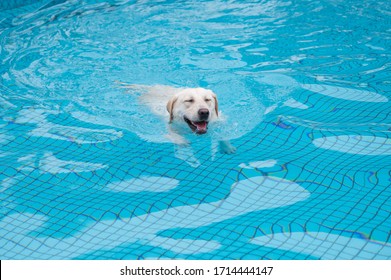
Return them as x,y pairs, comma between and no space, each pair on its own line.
355,144
326,245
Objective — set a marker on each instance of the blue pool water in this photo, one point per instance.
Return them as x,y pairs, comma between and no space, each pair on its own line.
305,90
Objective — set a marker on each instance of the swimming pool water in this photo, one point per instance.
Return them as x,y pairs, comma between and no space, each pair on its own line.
305,89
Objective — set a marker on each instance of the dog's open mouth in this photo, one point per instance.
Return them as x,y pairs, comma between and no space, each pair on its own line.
200,127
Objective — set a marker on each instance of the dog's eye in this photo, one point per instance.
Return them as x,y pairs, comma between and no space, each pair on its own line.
189,100
207,100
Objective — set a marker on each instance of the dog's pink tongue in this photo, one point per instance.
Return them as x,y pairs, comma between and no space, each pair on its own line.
201,126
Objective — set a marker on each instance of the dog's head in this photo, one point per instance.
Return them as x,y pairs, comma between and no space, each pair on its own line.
196,107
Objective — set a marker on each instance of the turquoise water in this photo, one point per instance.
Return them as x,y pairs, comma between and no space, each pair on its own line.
305,90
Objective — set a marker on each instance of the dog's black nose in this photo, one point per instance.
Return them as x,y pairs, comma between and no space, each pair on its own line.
203,114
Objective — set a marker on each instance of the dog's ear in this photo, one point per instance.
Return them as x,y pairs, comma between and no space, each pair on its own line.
216,105
170,107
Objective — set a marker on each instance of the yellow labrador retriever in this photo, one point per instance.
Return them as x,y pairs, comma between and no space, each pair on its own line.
193,108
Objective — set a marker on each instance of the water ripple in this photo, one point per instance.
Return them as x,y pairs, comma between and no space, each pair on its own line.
346,93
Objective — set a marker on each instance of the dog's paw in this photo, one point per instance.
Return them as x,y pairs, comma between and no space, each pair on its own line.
227,148
184,144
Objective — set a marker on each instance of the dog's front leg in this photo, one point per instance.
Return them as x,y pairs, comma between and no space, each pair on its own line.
175,138
186,154
226,147
183,150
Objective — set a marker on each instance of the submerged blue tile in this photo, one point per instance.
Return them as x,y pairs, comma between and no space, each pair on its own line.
87,170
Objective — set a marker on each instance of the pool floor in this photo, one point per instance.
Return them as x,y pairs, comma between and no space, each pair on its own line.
86,172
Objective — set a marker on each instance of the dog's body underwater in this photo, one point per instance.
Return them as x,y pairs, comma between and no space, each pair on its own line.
183,110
